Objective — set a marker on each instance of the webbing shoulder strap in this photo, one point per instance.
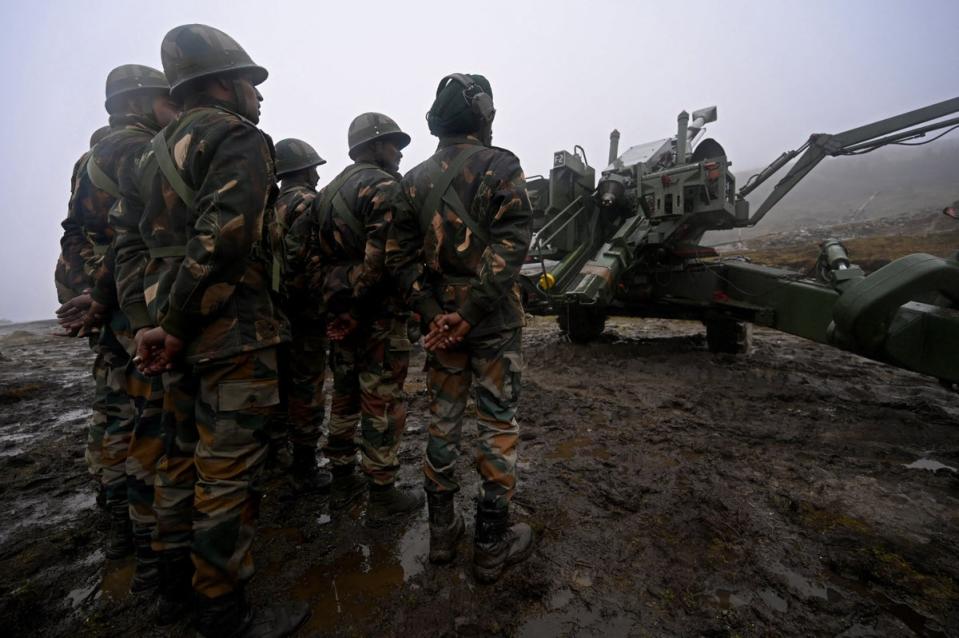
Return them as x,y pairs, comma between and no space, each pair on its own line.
165,160
334,202
441,191
100,179
166,166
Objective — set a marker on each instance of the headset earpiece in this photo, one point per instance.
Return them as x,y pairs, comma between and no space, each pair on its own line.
479,101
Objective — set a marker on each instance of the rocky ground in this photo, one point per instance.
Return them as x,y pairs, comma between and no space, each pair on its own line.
795,491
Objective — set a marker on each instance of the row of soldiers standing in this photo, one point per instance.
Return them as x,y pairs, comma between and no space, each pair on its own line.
216,299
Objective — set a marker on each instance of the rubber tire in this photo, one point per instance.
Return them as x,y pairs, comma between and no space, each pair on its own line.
728,336
581,325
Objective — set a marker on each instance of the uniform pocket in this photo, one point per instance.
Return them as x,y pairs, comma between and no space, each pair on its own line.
233,396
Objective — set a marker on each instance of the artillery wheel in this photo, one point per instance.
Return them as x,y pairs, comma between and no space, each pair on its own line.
581,324
728,336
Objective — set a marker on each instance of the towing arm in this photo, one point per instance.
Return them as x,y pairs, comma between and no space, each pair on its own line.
855,141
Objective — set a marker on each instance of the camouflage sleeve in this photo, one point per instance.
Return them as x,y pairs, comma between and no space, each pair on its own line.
132,254
404,259
502,199
75,247
104,288
295,244
235,179
387,197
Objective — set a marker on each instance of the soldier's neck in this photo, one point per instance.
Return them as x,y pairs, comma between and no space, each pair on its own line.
122,120
452,140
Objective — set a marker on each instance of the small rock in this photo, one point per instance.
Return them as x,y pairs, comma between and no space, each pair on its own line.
582,579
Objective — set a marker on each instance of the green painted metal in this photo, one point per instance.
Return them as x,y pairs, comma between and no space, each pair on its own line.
630,244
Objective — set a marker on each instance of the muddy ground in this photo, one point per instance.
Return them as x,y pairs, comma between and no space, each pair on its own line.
794,491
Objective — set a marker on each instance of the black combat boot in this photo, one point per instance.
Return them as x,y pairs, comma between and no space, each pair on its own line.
278,459
175,589
347,486
446,527
231,616
306,477
388,501
120,537
147,574
497,544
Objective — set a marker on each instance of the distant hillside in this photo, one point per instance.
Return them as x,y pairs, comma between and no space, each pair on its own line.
889,181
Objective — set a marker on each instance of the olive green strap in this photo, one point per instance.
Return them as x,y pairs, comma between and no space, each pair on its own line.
100,250
275,276
333,202
339,205
441,191
165,163
160,252
101,180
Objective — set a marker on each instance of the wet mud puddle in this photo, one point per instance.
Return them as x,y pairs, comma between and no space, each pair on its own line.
365,577
111,582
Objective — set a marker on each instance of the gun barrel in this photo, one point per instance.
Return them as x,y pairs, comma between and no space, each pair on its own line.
613,146
681,133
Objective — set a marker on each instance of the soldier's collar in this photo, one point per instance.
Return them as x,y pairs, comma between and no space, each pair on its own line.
291,182
453,140
124,120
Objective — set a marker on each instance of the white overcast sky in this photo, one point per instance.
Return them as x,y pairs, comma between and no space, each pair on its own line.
563,73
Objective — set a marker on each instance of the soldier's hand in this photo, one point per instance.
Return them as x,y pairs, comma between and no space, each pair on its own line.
156,350
70,315
95,317
446,331
341,327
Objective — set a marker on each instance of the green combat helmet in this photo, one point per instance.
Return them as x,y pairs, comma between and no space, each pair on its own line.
294,155
369,127
132,78
194,51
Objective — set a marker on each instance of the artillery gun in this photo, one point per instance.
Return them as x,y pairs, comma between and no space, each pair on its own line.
630,244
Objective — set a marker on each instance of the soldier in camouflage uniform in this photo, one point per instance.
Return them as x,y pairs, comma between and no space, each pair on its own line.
457,255
303,364
206,284
73,292
370,350
138,102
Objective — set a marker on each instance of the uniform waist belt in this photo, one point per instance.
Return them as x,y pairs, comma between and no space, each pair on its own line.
457,280
100,249
167,251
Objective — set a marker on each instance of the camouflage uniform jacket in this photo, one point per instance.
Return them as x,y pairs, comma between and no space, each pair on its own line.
348,270
87,218
294,200
200,272
440,265
70,277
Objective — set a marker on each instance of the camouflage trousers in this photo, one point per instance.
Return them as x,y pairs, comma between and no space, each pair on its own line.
145,447
302,376
118,407
493,364
369,369
98,421
215,421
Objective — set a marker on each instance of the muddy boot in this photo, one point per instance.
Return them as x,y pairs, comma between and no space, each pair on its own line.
306,477
497,544
347,486
147,573
120,537
446,527
278,460
389,501
231,616
175,589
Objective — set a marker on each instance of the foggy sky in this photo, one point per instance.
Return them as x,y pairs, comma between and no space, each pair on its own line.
563,73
